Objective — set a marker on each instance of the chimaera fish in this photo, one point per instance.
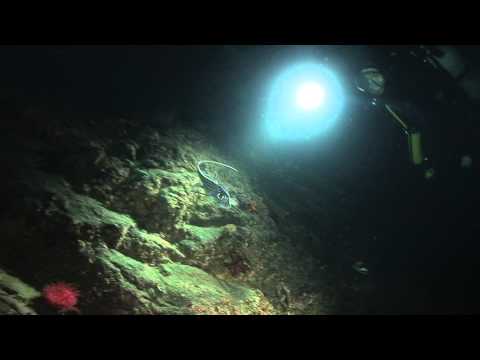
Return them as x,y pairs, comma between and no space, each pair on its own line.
213,188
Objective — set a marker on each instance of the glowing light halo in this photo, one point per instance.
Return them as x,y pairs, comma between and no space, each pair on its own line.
304,102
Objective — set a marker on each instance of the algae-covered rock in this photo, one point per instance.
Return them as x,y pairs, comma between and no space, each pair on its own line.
207,247
16,296
135,231
186,288
150,248
128,269
175,289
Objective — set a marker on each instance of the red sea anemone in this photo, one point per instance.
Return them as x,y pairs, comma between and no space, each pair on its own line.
62,296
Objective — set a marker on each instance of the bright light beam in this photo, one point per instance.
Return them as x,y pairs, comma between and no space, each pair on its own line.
305,101
310,96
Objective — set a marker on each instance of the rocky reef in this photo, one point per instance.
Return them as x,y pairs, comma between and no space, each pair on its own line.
116,208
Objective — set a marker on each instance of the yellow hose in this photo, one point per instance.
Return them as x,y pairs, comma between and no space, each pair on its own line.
414,139
396,117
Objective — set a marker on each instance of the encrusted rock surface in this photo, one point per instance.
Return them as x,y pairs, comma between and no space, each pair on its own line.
16,296
117,209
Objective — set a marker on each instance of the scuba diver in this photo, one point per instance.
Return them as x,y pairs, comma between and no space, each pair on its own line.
372,82
438,95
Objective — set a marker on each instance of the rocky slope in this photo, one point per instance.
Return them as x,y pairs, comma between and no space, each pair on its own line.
117,208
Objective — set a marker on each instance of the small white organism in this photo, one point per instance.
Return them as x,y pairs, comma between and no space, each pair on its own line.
360,267
466,161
